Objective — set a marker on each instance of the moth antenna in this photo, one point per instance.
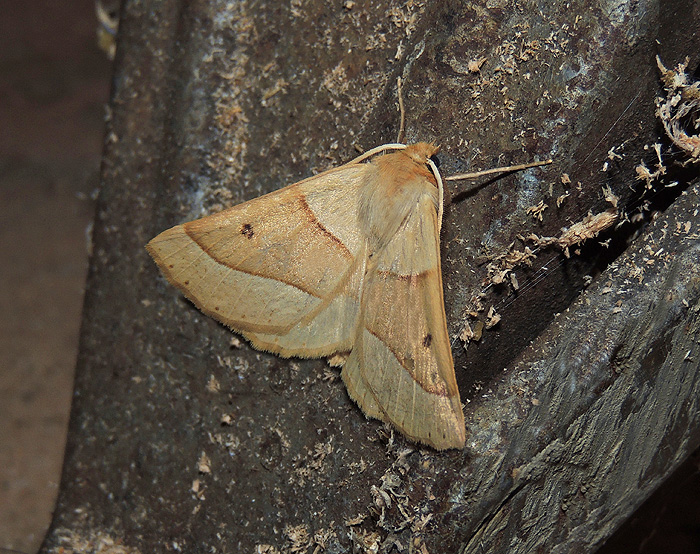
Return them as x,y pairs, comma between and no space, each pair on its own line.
377,150
441,192
506,169
402,111
398,145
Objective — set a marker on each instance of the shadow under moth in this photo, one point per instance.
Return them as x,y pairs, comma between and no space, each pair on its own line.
345,262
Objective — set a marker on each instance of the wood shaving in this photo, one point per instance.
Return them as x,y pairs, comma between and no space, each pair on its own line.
213,384
561,198
204,463
299,537
538,210
492,318
610,196
474,66
678,110
578,233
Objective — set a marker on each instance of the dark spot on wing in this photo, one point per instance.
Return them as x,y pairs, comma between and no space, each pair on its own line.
427,340
247,230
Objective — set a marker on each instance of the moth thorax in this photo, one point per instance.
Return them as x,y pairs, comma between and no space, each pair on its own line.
390,196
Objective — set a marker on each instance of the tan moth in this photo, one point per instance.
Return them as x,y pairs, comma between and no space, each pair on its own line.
345,262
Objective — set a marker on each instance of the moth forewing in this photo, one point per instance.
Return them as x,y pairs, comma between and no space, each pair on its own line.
263,265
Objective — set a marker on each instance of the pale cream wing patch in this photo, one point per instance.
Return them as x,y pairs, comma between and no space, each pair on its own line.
329,328
276,264
401,369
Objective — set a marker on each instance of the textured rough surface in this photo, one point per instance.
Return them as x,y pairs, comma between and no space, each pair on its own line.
182,440
626,356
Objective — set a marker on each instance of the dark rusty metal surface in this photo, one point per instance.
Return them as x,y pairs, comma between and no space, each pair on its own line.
217,102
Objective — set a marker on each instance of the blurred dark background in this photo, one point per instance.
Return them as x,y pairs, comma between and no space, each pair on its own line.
54,86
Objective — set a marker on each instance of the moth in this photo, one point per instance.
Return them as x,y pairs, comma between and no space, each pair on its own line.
344,262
